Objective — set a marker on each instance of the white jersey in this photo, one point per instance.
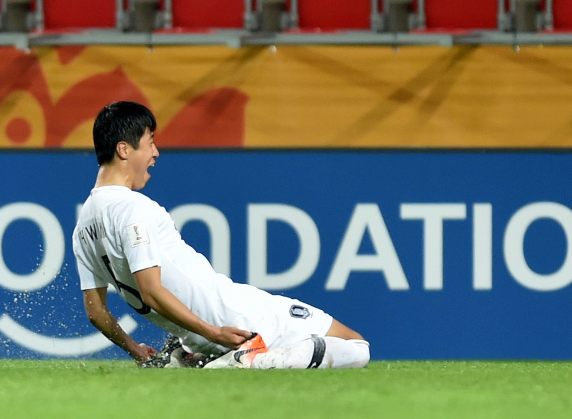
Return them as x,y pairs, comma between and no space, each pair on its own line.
121,231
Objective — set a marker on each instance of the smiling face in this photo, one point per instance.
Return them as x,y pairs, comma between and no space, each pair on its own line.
141,159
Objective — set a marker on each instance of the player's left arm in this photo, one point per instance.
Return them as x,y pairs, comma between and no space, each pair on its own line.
95,302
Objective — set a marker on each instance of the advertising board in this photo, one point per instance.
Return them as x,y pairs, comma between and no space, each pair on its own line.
428,254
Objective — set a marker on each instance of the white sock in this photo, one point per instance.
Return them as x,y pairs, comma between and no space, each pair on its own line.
342,353
326,352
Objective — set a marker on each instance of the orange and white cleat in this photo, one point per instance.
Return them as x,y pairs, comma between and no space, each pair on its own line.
241,357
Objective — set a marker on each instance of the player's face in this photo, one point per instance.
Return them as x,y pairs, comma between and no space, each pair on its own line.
142,159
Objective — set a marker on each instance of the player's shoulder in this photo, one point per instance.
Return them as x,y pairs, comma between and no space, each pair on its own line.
133,202
122,196
141,199
117,203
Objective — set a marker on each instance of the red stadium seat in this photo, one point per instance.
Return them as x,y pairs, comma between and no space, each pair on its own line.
453,15
562,15
331,15
67,14
334,14
208,14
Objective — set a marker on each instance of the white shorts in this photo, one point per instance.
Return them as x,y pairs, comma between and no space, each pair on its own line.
281,321
288,322
293,321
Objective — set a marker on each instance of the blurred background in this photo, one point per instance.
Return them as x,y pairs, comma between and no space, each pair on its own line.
402,164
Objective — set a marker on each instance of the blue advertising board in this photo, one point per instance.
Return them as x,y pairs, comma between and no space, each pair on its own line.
430,255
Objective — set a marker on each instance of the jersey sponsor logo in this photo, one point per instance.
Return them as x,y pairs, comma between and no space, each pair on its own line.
299,312
138,234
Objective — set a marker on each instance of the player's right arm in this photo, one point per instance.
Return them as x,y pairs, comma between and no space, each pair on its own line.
167,305
95,302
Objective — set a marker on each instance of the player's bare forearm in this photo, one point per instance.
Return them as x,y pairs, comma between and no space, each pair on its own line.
109,326
167,305
106,323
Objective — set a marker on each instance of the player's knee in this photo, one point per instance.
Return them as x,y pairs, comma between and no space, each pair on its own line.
362,353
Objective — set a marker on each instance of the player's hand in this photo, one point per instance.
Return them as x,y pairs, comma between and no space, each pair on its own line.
231,337
144,352
148,349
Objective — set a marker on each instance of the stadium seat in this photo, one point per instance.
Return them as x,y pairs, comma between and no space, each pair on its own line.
562,15
331,15
455,15
62,15
207,14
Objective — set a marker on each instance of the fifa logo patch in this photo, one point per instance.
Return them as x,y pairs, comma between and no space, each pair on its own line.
299,312
137,234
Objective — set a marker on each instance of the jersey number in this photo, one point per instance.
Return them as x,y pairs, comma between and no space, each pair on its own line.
130,294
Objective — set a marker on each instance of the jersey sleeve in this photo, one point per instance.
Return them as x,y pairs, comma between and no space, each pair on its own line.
138,234
87,279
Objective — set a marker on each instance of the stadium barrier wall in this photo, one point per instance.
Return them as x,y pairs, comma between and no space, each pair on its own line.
431,255
293,96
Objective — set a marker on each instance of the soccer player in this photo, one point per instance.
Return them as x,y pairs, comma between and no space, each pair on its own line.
125,239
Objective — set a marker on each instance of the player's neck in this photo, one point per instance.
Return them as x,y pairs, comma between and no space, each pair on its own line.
112,175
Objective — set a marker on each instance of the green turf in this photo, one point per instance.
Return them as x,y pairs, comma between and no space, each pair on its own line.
117,389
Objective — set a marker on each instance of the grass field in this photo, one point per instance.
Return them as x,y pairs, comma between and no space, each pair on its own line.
118,389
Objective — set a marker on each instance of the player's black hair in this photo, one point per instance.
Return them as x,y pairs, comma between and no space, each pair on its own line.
120,121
